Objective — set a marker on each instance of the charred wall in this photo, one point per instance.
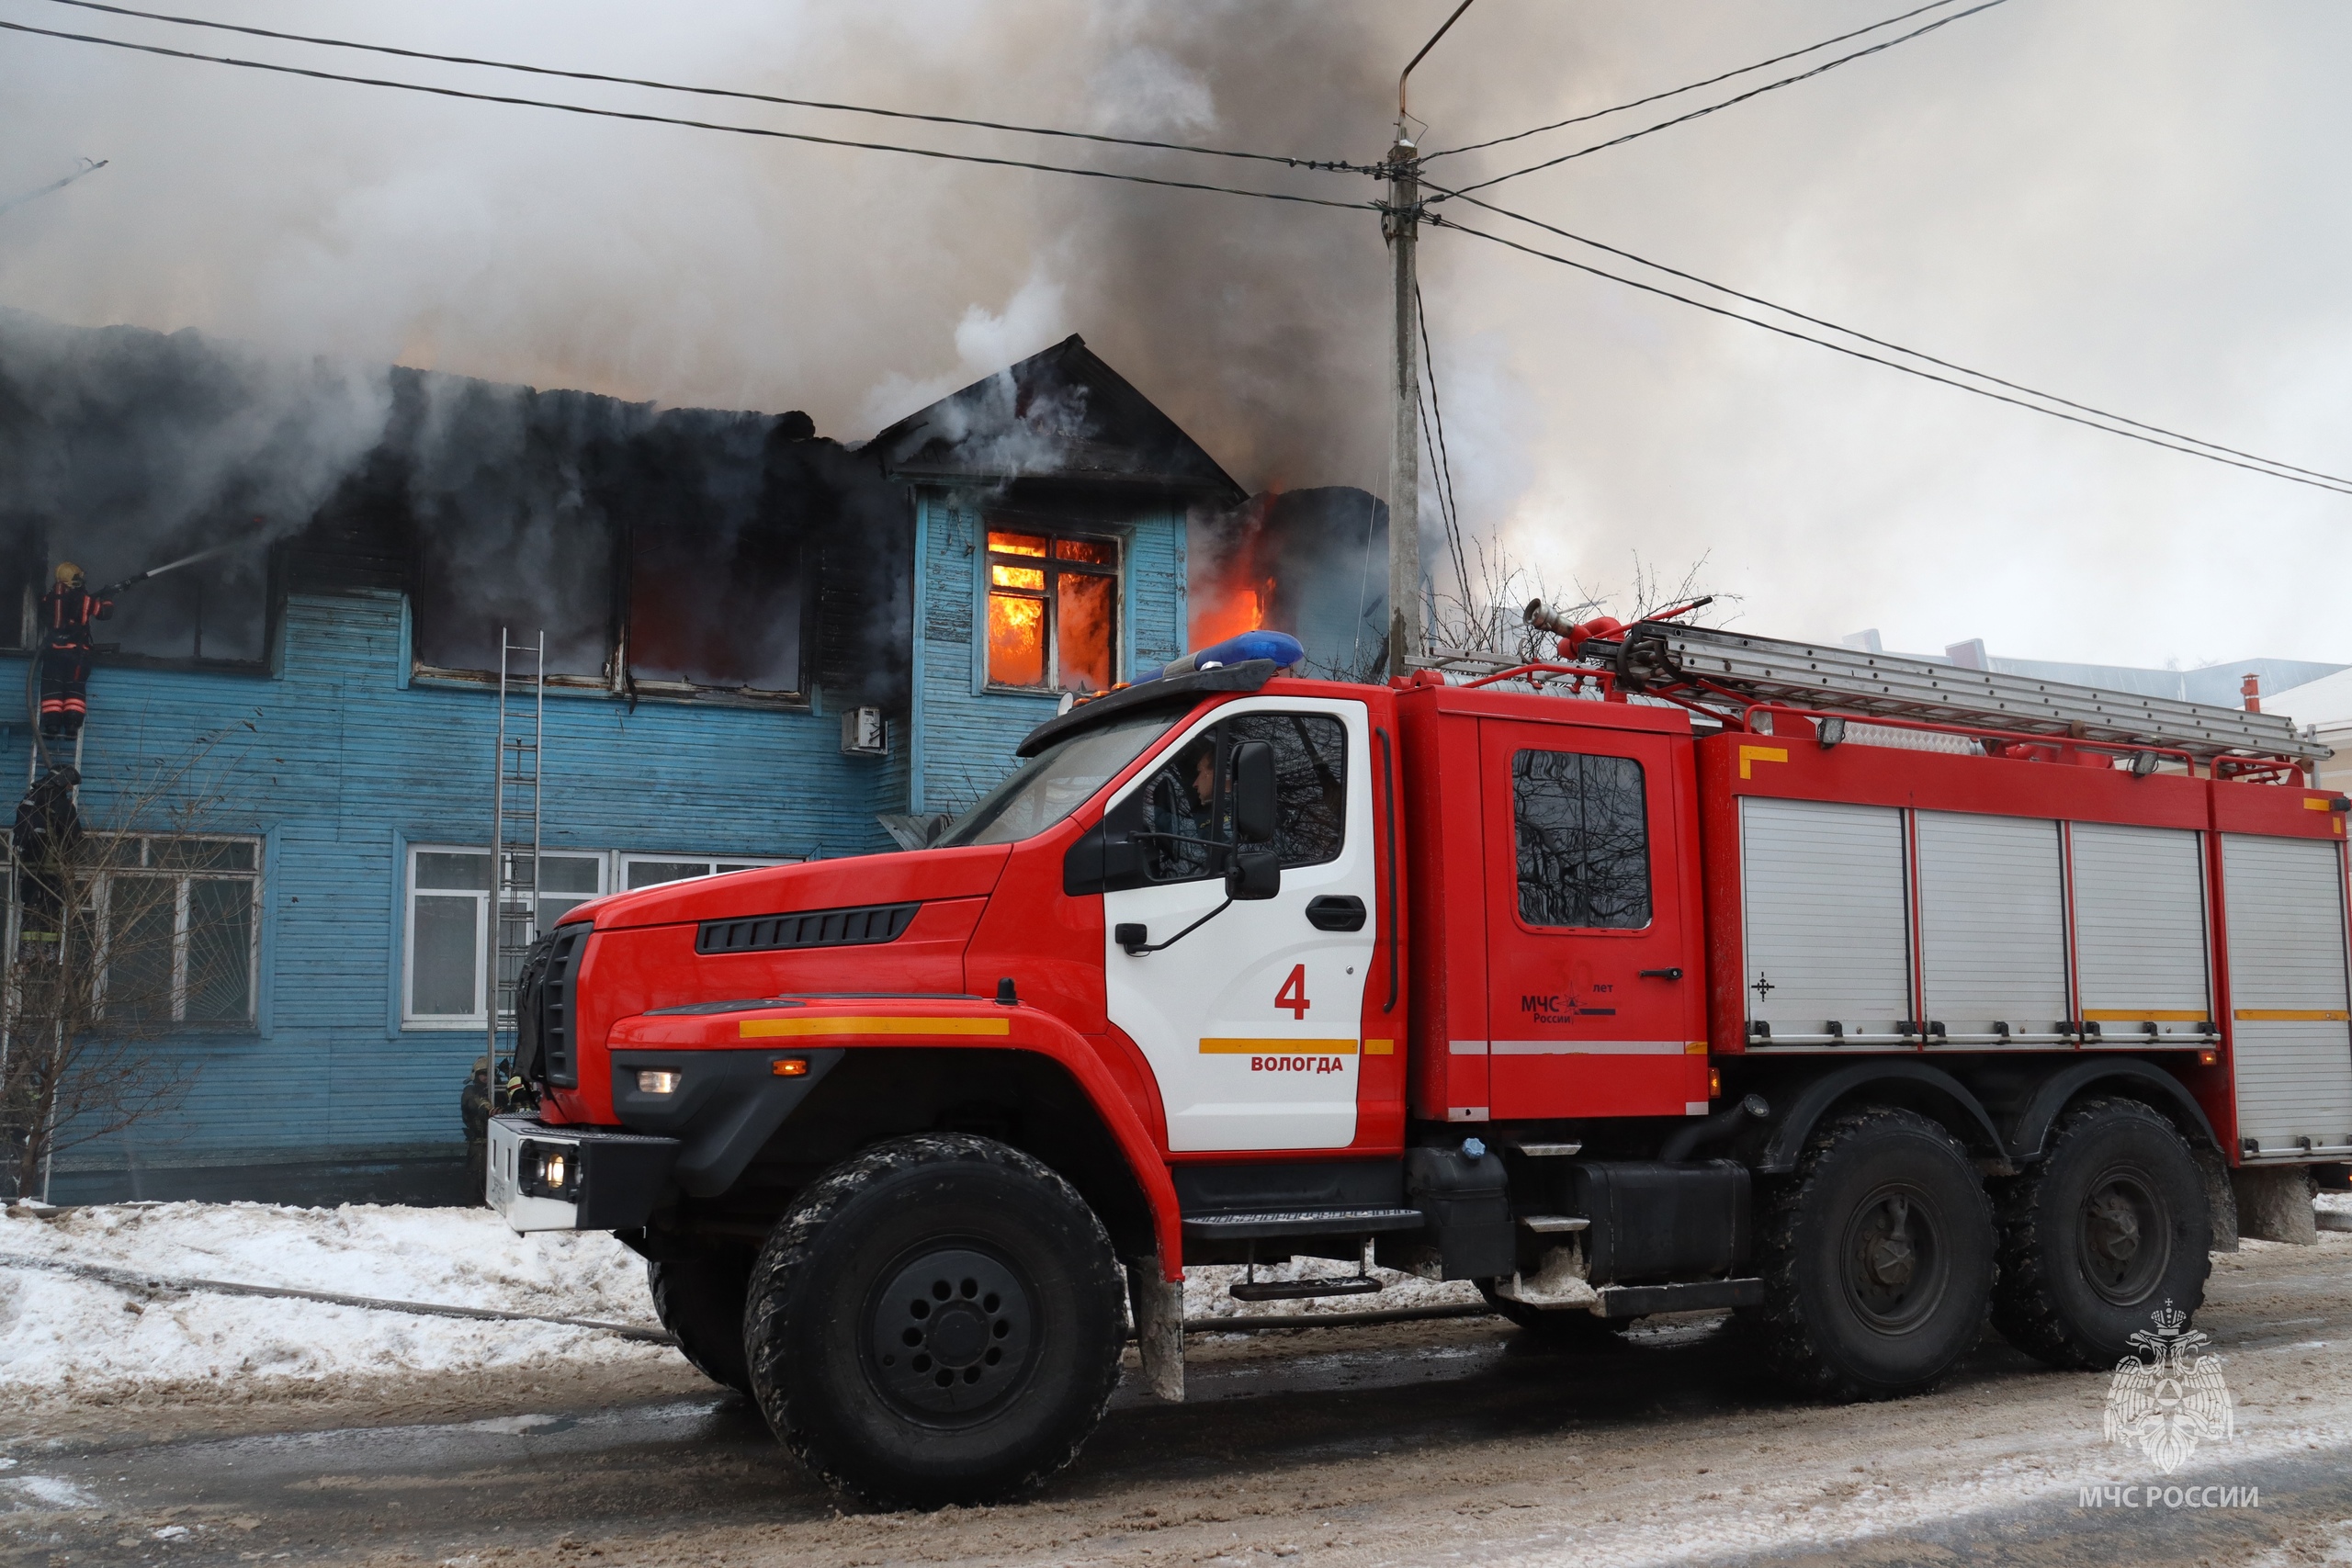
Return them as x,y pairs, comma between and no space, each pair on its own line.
665,552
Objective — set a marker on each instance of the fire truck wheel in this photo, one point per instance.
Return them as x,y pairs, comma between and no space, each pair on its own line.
2109,1228
936,1320
700,1301
1877,1258
1569,1328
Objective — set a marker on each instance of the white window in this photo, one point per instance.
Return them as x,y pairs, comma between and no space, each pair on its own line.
179,928
651,871
443,938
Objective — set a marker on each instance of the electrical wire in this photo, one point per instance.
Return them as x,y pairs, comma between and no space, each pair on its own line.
1653,97
1741,97
1446,497
1898,348
2277,471
676,120
722,91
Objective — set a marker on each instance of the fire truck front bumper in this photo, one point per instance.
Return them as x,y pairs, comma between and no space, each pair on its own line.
546,1178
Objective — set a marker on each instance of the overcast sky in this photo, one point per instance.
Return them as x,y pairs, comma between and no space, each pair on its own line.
2135,203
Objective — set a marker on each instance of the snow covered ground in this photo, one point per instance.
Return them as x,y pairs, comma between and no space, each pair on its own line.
64,1337
61,1336
67,1336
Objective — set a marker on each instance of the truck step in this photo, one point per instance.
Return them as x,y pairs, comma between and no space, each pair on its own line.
1297,1290
1270,1223
1699,1295
1554,1225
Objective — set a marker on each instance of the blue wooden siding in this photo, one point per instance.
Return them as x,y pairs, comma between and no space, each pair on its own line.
966,732
339,762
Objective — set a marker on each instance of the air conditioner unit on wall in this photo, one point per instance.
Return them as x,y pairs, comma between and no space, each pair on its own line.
863,733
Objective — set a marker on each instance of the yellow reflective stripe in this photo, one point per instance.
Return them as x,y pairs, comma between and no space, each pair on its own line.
2292,1015
1380,1047
1278,1047
770,1027
2148,1015
2317,802
1752,754
1694,1048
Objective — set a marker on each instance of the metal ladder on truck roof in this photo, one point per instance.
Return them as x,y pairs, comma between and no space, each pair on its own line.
1700,660
514,831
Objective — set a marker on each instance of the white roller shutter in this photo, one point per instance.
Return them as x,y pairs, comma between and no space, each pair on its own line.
1827,923
2289,1005
1992,923
2140,951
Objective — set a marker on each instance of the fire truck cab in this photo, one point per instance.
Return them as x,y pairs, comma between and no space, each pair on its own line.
1761,990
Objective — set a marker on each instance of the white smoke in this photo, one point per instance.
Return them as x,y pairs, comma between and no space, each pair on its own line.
2113,200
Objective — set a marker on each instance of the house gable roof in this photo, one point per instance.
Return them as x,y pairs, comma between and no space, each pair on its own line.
1062,416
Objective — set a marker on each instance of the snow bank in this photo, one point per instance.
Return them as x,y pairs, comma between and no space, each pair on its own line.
60,1334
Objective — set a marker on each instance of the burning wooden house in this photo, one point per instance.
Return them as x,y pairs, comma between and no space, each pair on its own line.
718,592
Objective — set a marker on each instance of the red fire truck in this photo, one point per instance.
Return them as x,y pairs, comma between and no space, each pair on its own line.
1863,996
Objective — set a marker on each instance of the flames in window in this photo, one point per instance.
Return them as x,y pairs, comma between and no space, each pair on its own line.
1053,611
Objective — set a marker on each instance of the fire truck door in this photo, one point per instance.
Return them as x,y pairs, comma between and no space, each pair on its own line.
1595,998
1252,1021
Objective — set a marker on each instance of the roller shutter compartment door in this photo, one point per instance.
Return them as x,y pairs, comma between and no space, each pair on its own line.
2288,1001
1825,920
2140,951
1992,924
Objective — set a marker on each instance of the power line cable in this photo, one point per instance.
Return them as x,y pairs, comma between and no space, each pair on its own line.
1437,449
723,92
89,166
1741,97
1653,97
1896,347
690,124
2277,471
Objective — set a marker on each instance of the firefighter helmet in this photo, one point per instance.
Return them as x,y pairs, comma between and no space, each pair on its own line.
69,575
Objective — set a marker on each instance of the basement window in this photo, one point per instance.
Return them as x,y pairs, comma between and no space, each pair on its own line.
1053,611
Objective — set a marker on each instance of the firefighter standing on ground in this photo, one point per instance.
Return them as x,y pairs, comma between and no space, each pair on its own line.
67,611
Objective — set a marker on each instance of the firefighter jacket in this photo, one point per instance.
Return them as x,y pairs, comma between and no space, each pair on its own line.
66,615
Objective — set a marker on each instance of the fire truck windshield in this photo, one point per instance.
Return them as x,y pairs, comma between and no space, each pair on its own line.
1056,782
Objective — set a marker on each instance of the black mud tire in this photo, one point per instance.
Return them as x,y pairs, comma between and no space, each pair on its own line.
937,1320
2110,1226
1564,1328
1877,1257
700,1301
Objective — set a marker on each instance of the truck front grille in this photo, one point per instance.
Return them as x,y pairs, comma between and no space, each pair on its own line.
557,990
811,928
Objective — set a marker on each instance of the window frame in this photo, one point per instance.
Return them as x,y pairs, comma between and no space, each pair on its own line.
721,865
411,1019
1650,842
1052,566
100,905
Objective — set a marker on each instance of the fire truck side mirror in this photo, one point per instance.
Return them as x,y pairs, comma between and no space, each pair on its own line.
1256,873
1254,803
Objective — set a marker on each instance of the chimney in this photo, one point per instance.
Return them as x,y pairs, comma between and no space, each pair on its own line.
2251,689
1969,655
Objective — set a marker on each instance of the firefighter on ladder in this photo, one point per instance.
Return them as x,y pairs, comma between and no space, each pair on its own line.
67,611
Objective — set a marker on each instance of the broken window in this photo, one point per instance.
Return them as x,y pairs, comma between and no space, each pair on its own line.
1052,610
510,528
720,507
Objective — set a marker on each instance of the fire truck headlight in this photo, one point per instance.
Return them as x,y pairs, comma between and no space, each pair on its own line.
661,1082
553,1172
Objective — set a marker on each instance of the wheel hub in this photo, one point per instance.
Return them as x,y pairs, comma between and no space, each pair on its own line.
950,1332
2125,1240
1892,1262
